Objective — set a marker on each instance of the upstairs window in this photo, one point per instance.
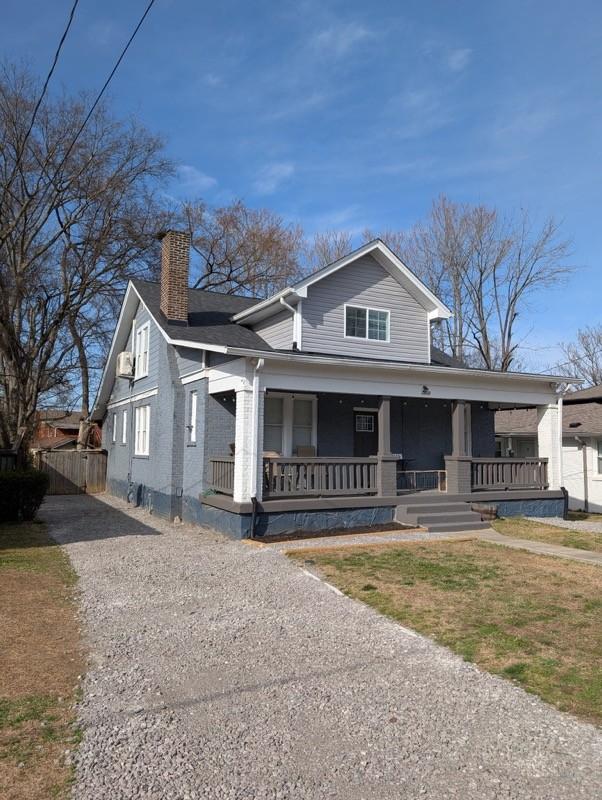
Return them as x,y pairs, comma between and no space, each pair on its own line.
366,323
124,426
141,353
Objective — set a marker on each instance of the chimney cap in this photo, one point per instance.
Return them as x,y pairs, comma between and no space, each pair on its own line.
162,233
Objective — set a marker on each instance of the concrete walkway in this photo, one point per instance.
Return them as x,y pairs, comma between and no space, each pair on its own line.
417,535
544,548
222,670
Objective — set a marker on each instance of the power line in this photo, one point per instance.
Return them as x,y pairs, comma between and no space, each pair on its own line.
106,84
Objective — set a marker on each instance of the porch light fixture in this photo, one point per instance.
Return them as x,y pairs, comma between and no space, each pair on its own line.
426,390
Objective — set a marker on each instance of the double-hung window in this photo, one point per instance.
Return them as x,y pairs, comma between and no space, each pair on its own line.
192,422
142,428
274,422
367,323
124,426
289,423
599,454
141,352
114,428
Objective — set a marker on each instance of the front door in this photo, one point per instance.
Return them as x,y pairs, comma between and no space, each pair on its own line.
365,434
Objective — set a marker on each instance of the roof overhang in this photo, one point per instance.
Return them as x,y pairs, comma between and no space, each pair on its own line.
386,258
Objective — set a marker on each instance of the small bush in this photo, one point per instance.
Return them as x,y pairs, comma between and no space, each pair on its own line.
21,494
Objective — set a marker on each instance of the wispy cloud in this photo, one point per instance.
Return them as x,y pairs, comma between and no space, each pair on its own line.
338,40
459,59
421,111
272,176
192,181
212,80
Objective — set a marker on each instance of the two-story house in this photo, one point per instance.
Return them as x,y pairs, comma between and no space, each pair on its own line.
322,407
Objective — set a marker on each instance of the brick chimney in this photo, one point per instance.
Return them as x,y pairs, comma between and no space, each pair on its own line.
175,258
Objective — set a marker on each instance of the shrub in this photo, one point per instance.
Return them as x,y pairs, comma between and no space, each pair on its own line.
21,494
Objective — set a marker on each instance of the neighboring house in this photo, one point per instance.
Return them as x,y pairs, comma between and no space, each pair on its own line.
516,435
323,407
57,429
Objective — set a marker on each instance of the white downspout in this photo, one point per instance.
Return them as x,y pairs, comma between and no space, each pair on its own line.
294,312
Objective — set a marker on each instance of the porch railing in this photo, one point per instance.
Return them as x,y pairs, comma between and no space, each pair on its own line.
421,480
222,474
318,477
509,473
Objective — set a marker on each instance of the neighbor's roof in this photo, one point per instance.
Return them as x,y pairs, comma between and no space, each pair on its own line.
577,420
584,395
52,442
59,418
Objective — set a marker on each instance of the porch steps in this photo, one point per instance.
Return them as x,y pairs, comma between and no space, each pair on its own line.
440,517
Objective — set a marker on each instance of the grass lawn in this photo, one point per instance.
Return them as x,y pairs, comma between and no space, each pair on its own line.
531,618
40,660
528,529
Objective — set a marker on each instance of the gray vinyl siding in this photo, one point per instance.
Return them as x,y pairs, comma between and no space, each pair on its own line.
189,360
277,330
364,282
121,386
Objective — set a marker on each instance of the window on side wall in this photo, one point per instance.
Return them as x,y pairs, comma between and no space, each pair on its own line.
142,430
192,420
124,426
114,428
141,352
367,323
599,461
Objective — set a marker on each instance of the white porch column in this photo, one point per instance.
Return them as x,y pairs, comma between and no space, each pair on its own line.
549,440
248,448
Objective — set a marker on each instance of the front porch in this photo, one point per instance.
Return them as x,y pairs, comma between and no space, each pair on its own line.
322,445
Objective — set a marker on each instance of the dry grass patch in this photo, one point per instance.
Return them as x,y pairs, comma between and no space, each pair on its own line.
40,660
528,617
522,528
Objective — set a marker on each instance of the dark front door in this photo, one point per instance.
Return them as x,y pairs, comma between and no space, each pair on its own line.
365,433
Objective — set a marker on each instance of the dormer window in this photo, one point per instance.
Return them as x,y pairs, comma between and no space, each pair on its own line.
366,323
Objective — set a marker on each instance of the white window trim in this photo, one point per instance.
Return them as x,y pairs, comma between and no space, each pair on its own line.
141,371
287,419
192,421
124,426
366,338
114,428
141,448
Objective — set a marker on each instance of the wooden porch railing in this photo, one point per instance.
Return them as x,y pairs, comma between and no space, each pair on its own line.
222,474
509,473
421,480
294,477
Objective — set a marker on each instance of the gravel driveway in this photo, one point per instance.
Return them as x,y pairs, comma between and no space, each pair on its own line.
219,669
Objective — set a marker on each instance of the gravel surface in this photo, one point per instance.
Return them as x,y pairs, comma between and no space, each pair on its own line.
219,669
588,525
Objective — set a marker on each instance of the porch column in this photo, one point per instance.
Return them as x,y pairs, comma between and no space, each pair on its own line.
458,463
248,448
386,478
549,441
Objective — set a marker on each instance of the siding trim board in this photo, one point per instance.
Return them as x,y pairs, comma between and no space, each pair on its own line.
133,398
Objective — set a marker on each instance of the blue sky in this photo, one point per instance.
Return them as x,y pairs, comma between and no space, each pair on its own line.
351,115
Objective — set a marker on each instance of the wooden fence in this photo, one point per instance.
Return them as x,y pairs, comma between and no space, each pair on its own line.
73,471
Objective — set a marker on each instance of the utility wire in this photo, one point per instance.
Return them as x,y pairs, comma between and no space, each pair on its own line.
48,77
106,84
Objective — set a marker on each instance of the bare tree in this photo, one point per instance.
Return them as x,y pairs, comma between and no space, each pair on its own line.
327,247
487,269
240,249
76,221
583,357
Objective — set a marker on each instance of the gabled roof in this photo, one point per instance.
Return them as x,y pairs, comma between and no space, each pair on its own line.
209,317
385,257
584,419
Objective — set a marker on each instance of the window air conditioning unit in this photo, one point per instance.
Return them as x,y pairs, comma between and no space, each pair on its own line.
125,365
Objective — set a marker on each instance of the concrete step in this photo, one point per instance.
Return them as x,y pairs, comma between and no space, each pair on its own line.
429,519
438,508
458,527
